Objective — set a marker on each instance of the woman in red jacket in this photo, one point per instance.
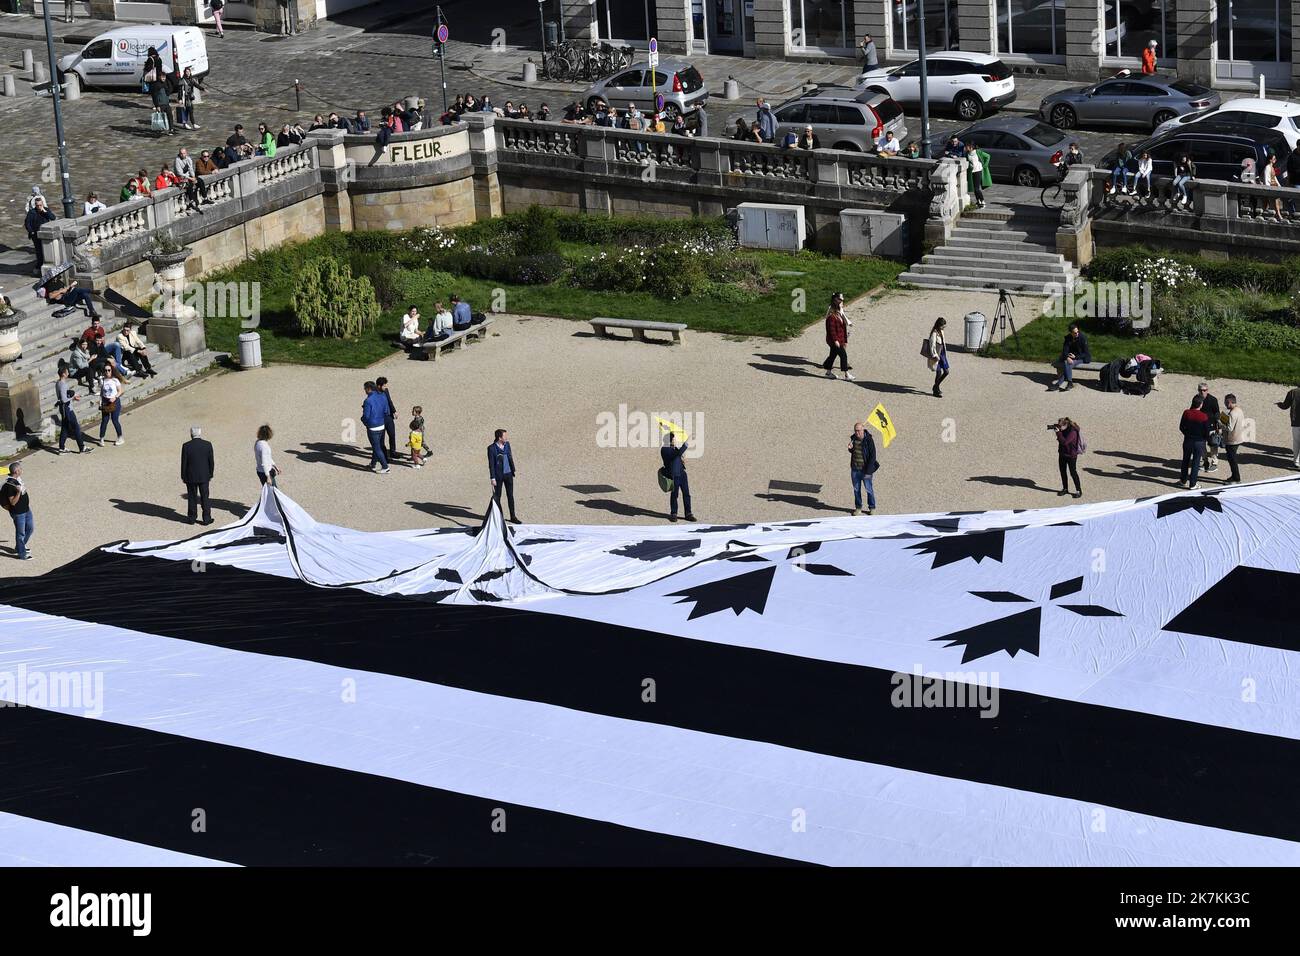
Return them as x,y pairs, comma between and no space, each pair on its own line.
837,337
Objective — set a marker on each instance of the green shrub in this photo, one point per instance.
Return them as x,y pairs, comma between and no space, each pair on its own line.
537,235
627,231
511,270
328,301
382,273
423,287
1126,263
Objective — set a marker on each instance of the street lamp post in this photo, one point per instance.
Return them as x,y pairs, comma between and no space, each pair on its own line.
69,210
925,80
541,19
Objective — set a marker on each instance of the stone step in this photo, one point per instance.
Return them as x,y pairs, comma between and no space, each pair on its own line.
967,284
171,373
983,272
990,264
45,382
993,249
982,234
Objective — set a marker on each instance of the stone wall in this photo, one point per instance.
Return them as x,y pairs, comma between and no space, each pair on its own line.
229,247
448,204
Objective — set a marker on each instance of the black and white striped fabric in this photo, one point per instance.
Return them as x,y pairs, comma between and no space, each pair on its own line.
1109,684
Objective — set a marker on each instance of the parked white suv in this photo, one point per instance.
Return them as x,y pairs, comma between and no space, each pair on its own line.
973,83
1247,111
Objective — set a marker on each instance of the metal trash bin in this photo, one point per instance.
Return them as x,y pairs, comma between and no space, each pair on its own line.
552,34
975,325
250,350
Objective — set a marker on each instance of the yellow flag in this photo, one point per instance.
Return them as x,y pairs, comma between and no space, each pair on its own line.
678,432
879,419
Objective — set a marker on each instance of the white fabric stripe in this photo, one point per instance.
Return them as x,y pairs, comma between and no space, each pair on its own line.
28,842
662,779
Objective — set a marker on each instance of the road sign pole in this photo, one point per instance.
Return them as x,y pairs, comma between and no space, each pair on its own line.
441,34
69,204
654,72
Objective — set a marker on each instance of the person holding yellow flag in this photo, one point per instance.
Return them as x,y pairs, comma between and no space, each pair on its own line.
862,465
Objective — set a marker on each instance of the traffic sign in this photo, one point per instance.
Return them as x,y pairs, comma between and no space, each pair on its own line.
654,53
442,33
659,102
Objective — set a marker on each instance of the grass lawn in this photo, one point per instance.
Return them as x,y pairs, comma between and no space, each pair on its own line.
1041,338
773,315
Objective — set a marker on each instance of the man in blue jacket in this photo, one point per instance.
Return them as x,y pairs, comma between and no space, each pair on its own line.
502,471
373,411
675,469
461,314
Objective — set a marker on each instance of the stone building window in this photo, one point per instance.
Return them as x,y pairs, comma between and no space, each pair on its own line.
821,24
941,32
1130,26
1031,27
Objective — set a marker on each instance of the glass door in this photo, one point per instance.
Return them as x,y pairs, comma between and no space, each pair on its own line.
941,32
726,26
1254,39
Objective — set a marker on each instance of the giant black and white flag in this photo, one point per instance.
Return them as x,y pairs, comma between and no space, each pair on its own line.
1108,684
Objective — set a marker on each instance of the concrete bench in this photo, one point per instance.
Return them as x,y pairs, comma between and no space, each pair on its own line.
639,328
455,340
1083,366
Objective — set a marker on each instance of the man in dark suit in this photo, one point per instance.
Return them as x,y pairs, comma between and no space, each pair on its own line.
197,469
502,471
675,469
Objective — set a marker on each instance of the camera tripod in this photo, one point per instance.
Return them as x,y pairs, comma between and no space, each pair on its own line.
1004,317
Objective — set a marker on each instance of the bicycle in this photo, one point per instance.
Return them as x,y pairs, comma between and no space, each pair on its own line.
1053,197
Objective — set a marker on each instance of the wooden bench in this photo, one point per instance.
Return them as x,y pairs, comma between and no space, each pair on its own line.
456,340
639,328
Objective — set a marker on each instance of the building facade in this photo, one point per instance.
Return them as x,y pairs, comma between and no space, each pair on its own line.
1224,43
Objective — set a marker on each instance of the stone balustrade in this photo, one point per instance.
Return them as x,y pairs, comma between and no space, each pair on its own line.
1223,217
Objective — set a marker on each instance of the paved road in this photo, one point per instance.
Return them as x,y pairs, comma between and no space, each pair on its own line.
345,65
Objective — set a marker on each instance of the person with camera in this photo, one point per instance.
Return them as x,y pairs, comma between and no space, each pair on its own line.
1069,446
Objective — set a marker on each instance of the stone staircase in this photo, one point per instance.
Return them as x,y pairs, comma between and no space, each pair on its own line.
45,339
998,247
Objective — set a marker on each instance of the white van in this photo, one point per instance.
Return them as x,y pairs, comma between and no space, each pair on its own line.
116,58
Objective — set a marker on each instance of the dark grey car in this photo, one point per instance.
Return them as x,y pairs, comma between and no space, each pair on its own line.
1134,100
1021,149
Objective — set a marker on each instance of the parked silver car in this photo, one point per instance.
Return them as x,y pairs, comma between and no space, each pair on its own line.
1021,149
676,80
1134,100
842,118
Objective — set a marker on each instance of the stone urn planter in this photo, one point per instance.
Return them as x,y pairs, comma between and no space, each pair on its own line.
10,348
176,326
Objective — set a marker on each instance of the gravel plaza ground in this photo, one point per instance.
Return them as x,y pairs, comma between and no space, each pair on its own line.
773,433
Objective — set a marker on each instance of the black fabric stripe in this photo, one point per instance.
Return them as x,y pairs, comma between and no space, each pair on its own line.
263,810
1249,605
1146,763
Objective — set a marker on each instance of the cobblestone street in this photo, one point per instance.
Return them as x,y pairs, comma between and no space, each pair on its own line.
343,66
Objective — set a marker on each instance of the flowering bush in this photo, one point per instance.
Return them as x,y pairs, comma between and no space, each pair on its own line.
692,267
1163,274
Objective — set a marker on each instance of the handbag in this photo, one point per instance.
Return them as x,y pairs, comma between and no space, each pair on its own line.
158,121
108,407
665,480
925,348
